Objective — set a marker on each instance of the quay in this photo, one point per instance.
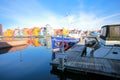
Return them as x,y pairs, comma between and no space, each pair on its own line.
12,43
75,62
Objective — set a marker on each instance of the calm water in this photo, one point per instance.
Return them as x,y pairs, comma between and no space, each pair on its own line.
33,63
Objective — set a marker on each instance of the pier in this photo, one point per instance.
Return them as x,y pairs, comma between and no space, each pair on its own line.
12,43
75,62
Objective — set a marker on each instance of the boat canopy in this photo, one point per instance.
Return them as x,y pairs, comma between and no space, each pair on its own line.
110,32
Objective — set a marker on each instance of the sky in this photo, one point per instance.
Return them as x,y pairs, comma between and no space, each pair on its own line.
70,14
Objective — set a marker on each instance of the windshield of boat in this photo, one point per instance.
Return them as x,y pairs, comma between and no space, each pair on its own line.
103,31
115,31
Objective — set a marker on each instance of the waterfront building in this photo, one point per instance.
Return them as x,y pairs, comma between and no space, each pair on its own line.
0,29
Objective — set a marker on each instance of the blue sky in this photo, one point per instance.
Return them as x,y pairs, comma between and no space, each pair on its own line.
78,14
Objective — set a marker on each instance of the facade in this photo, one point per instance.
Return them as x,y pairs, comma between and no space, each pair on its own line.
0,29
49,30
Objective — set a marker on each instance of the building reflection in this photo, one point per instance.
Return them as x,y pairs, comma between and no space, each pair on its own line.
30,41
48,41
35,41
12,49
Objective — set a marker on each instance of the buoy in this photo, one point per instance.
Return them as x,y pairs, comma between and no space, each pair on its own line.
66,45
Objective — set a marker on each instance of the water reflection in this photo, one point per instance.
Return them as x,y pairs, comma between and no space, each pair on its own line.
67,75
21,56
30,42
12,49
53,55
32,62
35,41
48,41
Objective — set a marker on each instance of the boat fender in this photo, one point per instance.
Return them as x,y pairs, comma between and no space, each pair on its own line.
66,45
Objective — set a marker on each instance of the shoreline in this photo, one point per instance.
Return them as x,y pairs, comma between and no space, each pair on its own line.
13,43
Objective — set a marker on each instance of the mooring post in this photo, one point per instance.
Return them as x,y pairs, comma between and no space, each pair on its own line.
62,43
62,56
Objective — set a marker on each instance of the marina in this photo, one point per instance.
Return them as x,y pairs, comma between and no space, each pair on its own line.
59,40
33,62
93,56
76,63
87,56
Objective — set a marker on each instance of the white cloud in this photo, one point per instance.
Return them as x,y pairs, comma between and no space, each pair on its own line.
84,21
38,15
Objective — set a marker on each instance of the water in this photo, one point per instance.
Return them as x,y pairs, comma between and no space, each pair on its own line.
33,63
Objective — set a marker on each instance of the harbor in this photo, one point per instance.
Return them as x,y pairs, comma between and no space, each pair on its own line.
75,66
59,40
76,63
87,55
92,55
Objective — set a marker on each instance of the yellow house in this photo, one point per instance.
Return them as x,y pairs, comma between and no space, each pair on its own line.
65,32
25,32
8,33
36,31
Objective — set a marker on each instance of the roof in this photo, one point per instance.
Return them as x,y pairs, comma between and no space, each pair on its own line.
111,25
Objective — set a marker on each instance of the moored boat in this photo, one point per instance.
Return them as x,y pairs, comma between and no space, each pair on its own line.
68,42
109,44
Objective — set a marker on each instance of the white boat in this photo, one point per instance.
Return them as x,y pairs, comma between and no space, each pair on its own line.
109,44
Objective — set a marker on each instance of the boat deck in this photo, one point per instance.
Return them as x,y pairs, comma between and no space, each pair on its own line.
75,62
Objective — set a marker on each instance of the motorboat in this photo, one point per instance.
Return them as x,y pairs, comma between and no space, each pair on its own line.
109,43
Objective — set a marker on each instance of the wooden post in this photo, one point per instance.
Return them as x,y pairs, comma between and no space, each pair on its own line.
61,57
62,43
85,48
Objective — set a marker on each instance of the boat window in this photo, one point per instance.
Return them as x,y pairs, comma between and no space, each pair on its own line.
115,31
103,31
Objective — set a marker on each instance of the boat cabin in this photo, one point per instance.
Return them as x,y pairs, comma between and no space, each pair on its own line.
110,39
110,35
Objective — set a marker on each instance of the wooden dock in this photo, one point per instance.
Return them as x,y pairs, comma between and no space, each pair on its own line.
76,63
12,43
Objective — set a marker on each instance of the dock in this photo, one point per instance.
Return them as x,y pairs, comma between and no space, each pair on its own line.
12,43
76,63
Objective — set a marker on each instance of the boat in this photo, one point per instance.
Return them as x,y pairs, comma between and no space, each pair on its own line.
68,42
109,44
99,56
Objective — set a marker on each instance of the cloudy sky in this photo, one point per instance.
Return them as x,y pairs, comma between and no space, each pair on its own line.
72,14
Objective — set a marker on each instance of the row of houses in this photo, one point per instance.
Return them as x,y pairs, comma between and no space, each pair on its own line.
47,30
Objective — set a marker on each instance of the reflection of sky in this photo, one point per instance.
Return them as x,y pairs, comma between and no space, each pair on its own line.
34,65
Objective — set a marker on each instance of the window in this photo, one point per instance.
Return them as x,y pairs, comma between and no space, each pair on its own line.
115,31
103,31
